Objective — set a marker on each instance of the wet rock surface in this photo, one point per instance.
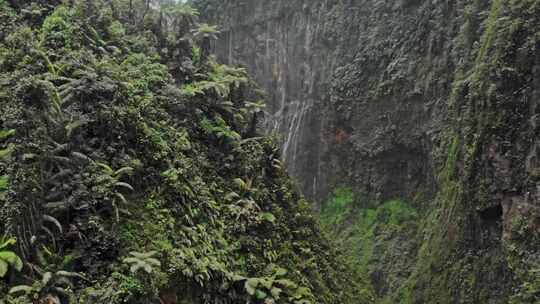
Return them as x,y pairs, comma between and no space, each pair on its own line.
432,102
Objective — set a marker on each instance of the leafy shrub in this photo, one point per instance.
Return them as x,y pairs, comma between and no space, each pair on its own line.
8,258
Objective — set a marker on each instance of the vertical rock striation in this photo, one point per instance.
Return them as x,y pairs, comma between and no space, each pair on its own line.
280,43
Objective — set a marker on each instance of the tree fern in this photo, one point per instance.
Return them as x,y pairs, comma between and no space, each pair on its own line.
205,30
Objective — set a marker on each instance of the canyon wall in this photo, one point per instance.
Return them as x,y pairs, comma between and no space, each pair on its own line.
434,103
279,42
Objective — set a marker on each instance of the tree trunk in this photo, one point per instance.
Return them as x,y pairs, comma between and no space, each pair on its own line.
205,48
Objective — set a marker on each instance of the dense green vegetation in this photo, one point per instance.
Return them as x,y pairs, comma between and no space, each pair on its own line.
131,170
432,102
370,237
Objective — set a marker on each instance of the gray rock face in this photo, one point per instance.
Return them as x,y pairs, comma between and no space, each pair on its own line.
280,43
321,64
432,102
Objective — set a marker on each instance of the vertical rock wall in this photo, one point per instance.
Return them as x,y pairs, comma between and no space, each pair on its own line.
432,102
280,43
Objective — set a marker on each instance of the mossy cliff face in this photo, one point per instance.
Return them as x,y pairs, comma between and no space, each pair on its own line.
130,170
279,41
434,103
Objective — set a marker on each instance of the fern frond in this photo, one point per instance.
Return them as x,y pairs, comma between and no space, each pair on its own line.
153,262
107,168
50,219
232,196
4,134
46,279
50,234
130,260
147,268
3,268
143,256
122,171
121,197
81,156
73,126
124,185
135,267
70,274
4,153
21,288
5,242
50,66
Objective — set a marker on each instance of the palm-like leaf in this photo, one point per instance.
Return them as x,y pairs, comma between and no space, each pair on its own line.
206,31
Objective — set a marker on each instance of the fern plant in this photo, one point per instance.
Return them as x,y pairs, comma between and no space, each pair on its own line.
51,220
142,261
220,81
113,178
55,284
8,258
274,287
220,130
183,16
205,34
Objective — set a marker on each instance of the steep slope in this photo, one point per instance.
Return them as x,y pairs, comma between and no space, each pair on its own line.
131,172
425,112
